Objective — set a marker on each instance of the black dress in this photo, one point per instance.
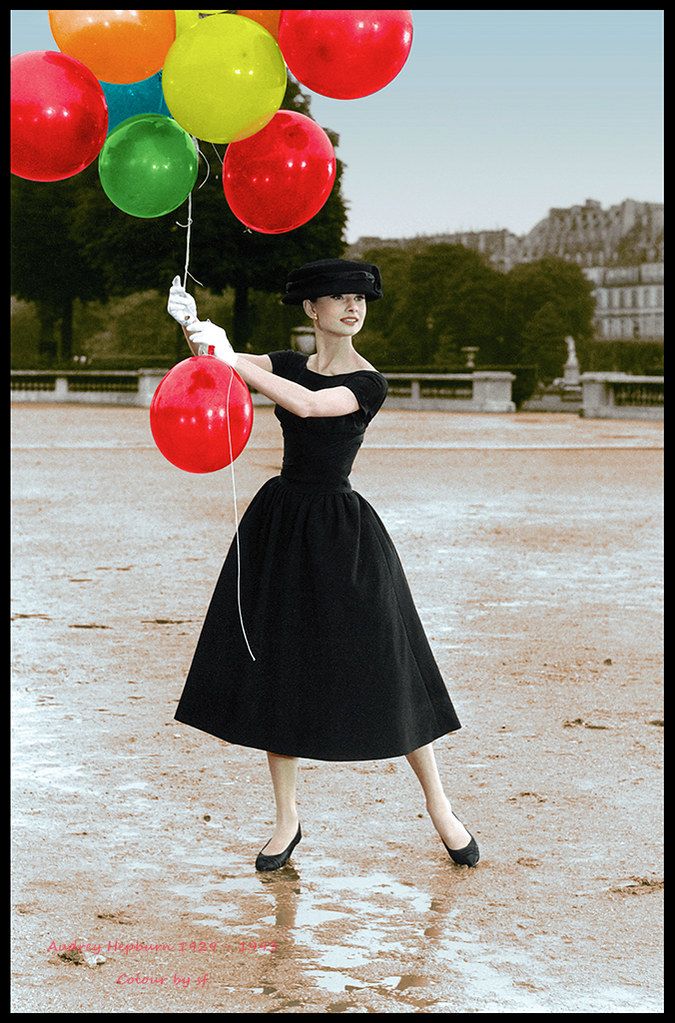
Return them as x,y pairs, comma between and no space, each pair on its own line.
343,669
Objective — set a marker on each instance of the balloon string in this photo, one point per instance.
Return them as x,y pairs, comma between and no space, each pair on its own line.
217,154
234,492
229,431
208,165
187,240
189,223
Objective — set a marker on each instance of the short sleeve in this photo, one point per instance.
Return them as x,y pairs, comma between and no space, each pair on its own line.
370,389
286,363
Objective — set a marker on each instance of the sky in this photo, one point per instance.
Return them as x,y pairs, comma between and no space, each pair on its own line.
496,117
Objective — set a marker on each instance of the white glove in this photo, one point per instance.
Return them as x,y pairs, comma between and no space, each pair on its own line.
205,335
181,305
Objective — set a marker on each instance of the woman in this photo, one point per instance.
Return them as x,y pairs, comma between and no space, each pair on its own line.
343,669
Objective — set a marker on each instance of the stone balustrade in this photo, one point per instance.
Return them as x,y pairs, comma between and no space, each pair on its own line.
478,391
621,396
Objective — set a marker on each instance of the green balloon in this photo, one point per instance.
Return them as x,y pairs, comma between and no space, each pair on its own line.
148,165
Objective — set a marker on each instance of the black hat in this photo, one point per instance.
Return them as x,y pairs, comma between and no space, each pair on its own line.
333,277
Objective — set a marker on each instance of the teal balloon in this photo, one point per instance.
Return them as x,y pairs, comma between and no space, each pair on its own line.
124,101
148,165
163,109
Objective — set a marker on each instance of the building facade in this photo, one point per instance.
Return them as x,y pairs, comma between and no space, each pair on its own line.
628,302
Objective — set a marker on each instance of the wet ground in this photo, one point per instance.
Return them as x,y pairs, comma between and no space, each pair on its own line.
532,544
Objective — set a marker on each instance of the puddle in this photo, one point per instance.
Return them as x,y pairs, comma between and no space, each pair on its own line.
333,929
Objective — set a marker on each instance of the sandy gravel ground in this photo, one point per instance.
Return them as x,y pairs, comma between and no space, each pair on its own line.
532,545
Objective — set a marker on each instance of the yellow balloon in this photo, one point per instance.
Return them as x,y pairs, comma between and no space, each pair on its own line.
185,20
224,79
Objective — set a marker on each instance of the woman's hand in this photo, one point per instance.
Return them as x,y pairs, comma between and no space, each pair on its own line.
205,336
181,305
200,336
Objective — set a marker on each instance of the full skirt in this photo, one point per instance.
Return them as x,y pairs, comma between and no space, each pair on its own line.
343,669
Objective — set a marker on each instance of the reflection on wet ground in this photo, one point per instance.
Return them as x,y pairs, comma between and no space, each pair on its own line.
334,931
330,927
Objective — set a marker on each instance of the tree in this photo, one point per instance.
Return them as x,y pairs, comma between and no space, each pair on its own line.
441,298
543,341
48,266
380,342
554,283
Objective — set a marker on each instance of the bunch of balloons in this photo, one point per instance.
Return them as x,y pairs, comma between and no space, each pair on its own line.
137,89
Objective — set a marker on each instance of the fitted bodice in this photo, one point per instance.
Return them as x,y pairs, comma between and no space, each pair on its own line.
320,450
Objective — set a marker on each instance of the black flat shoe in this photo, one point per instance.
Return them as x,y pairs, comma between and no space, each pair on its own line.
274,862
469,855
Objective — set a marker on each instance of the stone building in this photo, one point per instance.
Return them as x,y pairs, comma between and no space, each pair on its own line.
628,234
621,251
628,302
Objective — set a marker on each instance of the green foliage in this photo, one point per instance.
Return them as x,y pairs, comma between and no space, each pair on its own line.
639,358
442,298
47,263
547,301
25,325
563,285
48,266
122,333
543,339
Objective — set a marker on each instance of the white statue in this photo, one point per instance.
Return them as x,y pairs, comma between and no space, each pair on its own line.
571,352
571,369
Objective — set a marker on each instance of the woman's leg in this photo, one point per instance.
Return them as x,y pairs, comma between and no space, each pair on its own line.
284,771
451,830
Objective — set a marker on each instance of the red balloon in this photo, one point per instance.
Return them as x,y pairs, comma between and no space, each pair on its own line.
59,116
189,414
345,54
279,178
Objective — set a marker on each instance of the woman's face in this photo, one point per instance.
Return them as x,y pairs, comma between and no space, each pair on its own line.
338,314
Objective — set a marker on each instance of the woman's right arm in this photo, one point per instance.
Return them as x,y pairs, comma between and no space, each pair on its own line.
263,361
292,396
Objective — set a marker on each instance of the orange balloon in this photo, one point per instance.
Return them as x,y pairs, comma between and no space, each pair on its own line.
268,20
118,46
